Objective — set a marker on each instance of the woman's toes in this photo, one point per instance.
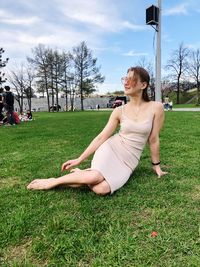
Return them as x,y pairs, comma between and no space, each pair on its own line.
29,186
42,184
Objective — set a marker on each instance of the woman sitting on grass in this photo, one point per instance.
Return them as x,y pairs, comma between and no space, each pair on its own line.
116,156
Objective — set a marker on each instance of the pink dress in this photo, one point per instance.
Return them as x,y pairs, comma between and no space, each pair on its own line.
118,156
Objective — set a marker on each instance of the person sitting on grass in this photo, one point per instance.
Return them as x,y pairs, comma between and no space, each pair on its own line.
16,117
29,115
23,116
116,156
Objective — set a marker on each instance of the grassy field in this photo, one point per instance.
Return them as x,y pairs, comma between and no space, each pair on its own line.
75,227
185,106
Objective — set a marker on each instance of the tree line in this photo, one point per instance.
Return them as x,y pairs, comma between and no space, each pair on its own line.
184,65
76,73
51,72
183,68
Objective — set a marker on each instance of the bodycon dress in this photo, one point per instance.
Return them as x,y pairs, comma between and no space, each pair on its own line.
119,155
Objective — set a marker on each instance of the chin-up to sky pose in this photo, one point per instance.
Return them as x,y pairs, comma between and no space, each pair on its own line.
116,156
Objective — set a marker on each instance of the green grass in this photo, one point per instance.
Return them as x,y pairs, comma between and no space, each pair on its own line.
75,227
185,106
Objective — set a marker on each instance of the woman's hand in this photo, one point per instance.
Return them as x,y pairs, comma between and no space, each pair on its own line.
158,171
70,163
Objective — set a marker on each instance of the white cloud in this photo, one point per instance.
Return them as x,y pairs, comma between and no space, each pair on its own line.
132,53
129,25
9,18
88,13
97,14
104,22
72,22
21,21
2,13
52,36
176,10
99,20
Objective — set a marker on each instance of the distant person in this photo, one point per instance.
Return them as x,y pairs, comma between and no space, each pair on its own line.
1,105
16,117
5,120
116,156
23,116
166,102
29,115
8,99
170,105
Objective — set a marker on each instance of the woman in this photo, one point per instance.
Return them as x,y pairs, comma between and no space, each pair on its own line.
117,156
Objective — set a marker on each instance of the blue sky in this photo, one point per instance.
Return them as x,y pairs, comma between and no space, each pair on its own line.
115,30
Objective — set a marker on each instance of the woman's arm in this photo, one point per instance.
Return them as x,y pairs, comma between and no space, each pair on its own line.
154,141
97,141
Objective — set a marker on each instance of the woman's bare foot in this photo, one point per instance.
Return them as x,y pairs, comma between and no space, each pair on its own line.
42,184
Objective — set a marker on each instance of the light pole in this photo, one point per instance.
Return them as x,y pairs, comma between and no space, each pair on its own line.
153,17
158,56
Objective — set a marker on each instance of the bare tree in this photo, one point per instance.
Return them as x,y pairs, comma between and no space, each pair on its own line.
72,92
28,91
67,79
144,63
58,72
75,72
194,70
178,63
17,79
22,78
85,68
41,63
55,74
50,75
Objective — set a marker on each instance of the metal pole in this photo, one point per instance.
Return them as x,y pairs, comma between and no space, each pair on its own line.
158,56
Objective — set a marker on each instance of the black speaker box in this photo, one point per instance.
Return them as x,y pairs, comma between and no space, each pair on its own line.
152,14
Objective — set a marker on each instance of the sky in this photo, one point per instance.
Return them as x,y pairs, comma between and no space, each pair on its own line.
114,30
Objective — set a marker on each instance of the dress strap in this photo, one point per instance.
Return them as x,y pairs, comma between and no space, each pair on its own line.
122,113
151,109
122,109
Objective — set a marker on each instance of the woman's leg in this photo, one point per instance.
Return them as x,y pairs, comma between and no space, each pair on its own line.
103,188
82,177
74,185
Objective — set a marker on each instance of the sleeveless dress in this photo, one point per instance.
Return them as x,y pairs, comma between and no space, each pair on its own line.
119,155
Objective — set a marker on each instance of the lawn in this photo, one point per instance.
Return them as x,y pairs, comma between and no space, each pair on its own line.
75,227
185,106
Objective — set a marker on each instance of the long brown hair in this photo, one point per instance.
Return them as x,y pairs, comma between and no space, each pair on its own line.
143,75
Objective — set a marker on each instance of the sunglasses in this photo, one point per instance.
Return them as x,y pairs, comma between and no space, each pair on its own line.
125,79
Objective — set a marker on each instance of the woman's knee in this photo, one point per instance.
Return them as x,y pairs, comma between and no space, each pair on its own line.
102,188
94,177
